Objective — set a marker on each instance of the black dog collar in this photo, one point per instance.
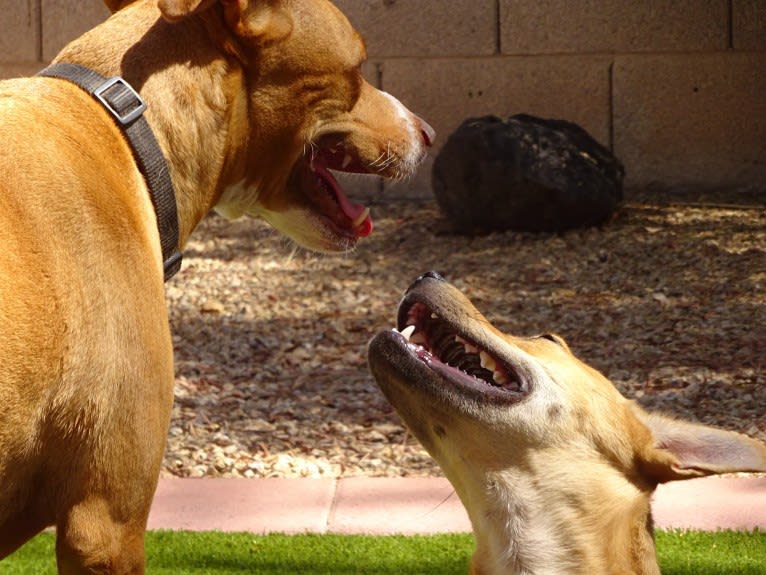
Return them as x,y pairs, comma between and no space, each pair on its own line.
127,108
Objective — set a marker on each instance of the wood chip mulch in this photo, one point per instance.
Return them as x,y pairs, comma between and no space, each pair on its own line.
669,301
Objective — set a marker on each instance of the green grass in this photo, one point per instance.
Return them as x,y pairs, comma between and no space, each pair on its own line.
184,553
703,553
210,553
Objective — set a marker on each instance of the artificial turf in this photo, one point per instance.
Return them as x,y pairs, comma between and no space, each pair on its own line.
212,553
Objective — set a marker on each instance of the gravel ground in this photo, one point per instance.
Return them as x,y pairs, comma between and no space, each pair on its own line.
669,301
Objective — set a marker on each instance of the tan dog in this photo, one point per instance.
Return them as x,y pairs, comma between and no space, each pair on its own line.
251,102
555,468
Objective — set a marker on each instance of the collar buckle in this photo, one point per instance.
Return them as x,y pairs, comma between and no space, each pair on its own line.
122,101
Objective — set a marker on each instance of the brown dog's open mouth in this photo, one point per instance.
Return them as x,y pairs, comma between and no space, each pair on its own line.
323,192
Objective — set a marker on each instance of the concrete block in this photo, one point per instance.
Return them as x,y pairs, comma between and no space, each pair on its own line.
748,21
424,28
691,119
65,20
562,26
20,37
447,91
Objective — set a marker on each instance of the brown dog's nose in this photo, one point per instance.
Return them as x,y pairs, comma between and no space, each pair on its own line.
429,134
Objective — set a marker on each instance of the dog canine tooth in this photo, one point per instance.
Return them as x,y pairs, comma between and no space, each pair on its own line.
499,377
487,361
361,217
408,331
346,161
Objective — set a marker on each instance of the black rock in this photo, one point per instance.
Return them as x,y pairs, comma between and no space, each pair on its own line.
525,173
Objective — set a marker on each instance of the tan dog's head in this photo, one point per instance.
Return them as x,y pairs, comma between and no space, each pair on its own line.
542,449
308,111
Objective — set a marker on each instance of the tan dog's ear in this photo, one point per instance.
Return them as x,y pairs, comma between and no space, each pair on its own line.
259,20
685,450
175,10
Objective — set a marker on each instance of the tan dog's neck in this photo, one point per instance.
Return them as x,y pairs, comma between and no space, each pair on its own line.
193,116
527,524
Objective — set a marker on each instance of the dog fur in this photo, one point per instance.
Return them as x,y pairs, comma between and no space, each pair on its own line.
251,102
554,466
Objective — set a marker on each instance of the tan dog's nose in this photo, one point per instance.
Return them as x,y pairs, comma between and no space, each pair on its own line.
429,135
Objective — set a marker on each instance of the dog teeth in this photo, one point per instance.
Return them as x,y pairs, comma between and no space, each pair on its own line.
347,161
487,361
469,347
434,316
408,331
361,217
499,377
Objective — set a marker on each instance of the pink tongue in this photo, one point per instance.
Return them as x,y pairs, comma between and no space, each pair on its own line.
351,209
365,228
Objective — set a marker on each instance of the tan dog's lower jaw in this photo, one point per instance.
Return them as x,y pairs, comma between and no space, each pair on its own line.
555,467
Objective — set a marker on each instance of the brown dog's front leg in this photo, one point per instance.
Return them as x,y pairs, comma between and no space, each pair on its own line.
90,541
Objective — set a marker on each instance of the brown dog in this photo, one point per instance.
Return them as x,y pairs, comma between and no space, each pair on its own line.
555,468
251,102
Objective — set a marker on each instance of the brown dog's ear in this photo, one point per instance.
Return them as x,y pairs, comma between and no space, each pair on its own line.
115,5
685,450
175,10
258,20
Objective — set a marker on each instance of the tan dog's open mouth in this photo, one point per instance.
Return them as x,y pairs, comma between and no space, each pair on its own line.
435,347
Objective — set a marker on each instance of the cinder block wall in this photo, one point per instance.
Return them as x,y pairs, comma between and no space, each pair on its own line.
677,88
